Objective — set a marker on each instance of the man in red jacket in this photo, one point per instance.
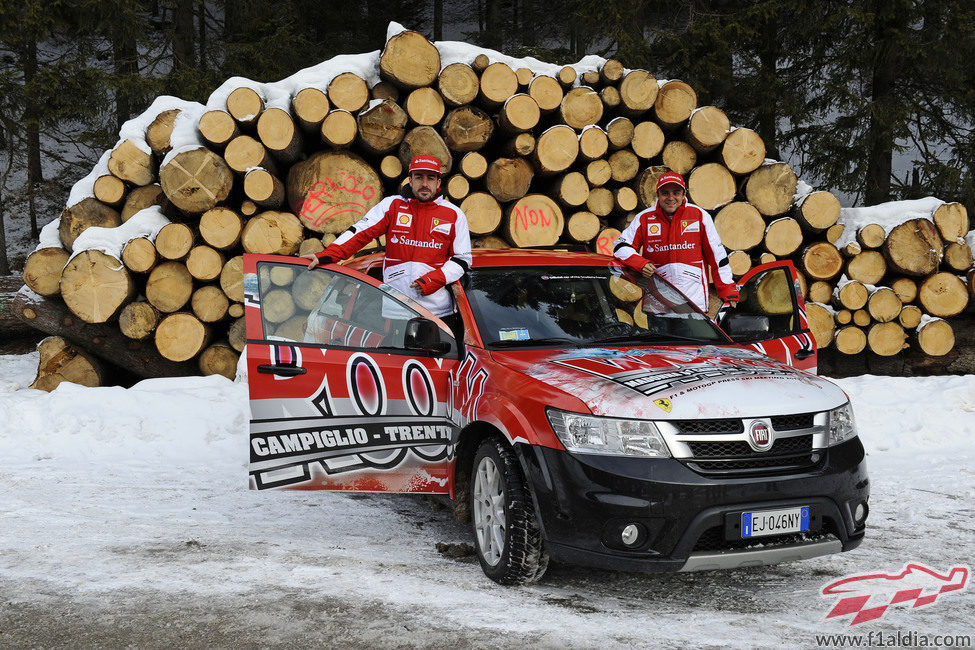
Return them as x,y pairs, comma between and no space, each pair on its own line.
678,240
428,244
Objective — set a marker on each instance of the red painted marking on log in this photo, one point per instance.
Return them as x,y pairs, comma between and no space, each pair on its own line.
313,203
531,217
604,245
341,208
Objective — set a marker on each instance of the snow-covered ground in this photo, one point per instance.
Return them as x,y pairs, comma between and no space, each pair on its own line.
125,520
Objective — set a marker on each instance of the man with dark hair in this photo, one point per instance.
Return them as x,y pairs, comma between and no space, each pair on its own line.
428,244
679,241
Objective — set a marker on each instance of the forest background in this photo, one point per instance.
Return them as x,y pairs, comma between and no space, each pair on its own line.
871,99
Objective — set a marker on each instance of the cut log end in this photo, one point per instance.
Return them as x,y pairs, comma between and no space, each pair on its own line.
943,295
95,286
42,270
951,219
821,261
219,359
886,339
534,220
818,211
820,324
138,320
196,180
850,340
711,186
913,248
771,188
936,338
181,336
131,163
61,361
409,60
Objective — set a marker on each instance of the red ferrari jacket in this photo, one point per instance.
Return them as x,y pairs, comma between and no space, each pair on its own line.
681,248
426,241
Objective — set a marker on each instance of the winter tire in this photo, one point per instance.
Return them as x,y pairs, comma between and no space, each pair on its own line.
506,531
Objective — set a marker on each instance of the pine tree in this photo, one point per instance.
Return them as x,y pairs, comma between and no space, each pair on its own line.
890,82
48,96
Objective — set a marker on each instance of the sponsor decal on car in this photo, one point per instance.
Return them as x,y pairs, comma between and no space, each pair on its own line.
664,403
285,444
291,444
639,375
470,380
869,596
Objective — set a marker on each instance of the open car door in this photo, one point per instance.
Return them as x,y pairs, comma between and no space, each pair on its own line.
349,382
771,316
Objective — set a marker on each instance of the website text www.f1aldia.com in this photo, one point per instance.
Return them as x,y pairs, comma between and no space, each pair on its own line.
910,639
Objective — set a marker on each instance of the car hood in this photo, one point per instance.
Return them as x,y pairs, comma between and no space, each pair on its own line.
677,383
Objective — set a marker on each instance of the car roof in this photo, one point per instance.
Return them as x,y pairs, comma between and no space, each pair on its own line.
487,257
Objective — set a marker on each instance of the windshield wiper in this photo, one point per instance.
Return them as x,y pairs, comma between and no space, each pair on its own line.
646,336
544,341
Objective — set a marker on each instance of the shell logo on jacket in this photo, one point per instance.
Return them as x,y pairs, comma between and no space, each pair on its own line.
423,238
681,247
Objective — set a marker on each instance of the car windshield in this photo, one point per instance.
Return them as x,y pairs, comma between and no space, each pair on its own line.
582,306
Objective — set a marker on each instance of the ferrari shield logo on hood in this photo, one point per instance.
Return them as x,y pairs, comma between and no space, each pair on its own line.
664,404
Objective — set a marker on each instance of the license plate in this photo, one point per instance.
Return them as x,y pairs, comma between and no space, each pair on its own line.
775,522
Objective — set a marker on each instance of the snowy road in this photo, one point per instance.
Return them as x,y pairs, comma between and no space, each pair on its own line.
124,520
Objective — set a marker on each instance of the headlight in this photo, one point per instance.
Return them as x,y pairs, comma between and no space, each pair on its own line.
842,426
589,434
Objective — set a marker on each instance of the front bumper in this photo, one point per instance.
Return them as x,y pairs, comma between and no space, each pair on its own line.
585,501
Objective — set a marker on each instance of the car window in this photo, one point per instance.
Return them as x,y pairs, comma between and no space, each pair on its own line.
769,294
517,307
322,307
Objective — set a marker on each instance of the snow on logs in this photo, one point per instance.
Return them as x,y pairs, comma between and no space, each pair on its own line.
535,154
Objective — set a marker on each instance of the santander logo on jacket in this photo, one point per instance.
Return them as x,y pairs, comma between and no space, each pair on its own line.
681,247
424,239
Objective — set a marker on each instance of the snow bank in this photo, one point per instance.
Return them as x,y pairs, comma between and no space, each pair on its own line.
922,413
182,421
135,500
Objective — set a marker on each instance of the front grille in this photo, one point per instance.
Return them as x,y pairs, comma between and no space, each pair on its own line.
736,457
757,465
735,425
792,422
739,448
728,425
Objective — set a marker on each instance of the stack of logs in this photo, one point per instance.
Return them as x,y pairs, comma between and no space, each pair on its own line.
890,283
533,160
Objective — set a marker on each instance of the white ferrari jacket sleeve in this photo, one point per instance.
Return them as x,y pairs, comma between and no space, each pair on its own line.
454,268
625,249
369,227
723,280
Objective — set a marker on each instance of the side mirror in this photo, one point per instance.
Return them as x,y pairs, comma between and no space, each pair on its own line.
745,325
423,334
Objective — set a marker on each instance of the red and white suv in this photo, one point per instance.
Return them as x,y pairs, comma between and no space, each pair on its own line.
584,413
